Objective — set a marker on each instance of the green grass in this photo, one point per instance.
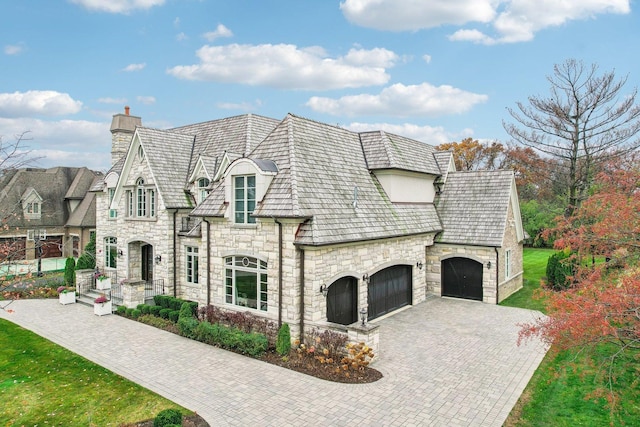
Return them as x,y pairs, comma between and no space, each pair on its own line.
534,262
559,393
42,384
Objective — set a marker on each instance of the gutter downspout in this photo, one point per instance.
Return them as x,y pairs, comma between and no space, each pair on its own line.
301,337
497,275
175,277
279,272
208,261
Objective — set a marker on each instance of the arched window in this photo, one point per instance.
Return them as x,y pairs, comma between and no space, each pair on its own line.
201,193
246,282
141,201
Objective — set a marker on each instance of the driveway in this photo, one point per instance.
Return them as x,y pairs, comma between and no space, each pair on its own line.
445,362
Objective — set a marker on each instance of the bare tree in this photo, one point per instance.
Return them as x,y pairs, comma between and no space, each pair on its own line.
584,122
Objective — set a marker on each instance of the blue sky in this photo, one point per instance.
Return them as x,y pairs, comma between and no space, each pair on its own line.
437,71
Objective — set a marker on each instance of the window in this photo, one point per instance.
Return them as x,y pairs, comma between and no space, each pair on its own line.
32,210
192,264
110,252
141,202
246,282
201,194
30,234
507,263
244,198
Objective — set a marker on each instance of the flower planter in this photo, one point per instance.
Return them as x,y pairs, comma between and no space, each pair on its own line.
67,297
103,284
102,308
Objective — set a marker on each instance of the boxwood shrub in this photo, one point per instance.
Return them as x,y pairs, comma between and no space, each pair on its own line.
168,417
164,313
173,315
155,310
121,310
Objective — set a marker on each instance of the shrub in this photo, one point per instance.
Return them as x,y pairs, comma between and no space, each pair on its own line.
174,315
139,306
187,324
168,417
283,344
88,258
129,312
135,313
164,312
121,310
244,321
70,271
145,309
159,322
161,300
560,268
185,310
155,310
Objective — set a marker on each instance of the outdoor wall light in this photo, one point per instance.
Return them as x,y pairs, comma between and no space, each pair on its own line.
158,259
324,290
419,265
365,278
489,265
363,315
120,253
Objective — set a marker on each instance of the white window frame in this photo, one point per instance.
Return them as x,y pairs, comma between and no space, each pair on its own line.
246,265
201,189
192,263
243,203
110,252
30,234
507,263
141,201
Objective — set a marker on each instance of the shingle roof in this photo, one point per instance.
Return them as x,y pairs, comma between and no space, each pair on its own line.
321,173
473,207
385,150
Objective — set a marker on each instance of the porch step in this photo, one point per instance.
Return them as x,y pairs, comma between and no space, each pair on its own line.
89,297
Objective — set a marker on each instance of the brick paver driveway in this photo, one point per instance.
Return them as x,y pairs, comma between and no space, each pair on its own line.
445,362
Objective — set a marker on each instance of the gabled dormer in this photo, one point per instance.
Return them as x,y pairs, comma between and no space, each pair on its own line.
200,179
246,182
31,204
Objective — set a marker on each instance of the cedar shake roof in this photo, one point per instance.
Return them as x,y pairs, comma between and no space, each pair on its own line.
473,207
321,172
385,150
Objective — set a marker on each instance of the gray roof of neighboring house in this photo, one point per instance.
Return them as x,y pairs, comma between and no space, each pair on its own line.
321,172
53,185
473,207
385,150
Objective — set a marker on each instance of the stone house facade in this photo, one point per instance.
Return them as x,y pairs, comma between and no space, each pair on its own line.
299,221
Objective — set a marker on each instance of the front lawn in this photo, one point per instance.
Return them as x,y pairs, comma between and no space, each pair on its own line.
42,384
559,393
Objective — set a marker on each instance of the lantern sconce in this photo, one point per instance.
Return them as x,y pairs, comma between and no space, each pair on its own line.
365,278
489,265
363,316
158,259
120,253
324,290
419,265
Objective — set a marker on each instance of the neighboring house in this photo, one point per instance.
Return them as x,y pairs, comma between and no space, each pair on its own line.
303,222
46,213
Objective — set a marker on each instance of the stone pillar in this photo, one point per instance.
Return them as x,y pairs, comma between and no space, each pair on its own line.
368,334
132,293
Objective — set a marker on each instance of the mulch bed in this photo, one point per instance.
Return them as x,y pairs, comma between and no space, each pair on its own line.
194,420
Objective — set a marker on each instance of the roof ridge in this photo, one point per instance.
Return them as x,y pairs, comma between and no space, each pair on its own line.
295,199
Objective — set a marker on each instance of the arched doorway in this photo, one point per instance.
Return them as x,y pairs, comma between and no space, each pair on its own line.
462,278
342,301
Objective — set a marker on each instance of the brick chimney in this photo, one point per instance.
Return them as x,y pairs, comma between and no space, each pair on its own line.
122,128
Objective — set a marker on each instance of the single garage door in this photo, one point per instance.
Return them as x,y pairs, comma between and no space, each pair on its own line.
462,278
389,289
342,301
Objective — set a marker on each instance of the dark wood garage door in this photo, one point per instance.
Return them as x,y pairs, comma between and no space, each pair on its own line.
389,289
462,278
342,301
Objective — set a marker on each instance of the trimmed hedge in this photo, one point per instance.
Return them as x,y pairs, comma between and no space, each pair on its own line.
167,418
253,344
121,310
167,301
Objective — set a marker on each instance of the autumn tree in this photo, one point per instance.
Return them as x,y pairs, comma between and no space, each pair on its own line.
469,154
601,310
584,122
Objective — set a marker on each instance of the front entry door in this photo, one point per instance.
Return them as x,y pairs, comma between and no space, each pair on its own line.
147,263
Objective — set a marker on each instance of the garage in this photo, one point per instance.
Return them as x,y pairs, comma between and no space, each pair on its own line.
389,290
342,301
462,278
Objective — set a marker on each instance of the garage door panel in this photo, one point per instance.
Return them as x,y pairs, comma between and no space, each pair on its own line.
462,278
342,301
389,289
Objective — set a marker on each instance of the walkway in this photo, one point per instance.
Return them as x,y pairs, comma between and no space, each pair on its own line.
445,362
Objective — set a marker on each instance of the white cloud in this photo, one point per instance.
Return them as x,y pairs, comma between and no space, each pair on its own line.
399,100
37,102
117,6
112,100
134,67
411,15
61,141
220,31
427,58
176,22
14,49
512,20
146,100
286,66
181,36
429,134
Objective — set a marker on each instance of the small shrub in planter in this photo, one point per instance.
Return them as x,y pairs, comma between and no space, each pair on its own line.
168,417
283,344
174,315
135,313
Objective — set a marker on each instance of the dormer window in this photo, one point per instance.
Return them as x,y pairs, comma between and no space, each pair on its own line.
201,189
244,198
31,204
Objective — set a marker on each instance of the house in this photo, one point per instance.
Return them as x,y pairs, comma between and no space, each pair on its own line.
303,222
46,213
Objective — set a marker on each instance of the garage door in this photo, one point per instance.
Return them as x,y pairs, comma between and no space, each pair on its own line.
342,299
462,278
389,289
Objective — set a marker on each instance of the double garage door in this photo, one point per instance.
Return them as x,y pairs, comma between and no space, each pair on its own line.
462,278
388,290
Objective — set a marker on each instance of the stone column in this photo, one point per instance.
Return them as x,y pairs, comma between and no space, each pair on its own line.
368,334
132,293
